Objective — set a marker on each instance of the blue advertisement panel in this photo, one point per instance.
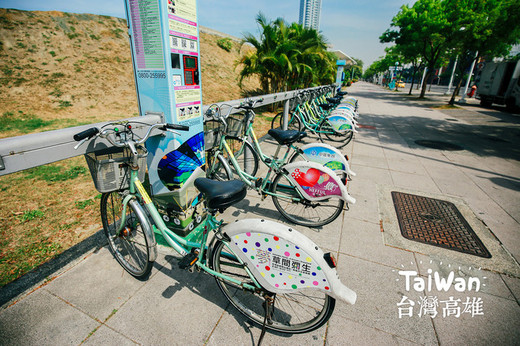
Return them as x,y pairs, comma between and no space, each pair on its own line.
164,37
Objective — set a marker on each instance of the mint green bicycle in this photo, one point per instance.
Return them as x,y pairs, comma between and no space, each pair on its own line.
272,274
306,193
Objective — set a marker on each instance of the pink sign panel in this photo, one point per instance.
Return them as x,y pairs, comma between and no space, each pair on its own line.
316,183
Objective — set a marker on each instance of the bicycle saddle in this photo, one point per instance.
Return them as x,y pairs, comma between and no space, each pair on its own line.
221,194
326,106
342,93
287,136
333,99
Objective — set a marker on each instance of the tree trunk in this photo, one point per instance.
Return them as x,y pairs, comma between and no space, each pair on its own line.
413,80
425,83
455,92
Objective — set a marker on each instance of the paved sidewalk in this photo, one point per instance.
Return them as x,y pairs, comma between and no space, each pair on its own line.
94,301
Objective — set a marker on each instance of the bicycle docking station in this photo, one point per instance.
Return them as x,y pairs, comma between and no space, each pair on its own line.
164,37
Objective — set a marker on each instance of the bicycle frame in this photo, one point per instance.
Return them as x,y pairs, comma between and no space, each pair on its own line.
178,243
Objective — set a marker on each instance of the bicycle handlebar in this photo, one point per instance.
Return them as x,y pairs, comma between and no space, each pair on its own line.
89,133
83,136
175,127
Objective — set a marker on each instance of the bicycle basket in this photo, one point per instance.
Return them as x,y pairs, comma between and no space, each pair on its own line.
110,168
211,133
235,126
213,128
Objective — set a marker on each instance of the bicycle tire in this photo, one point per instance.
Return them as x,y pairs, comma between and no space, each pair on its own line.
340,139
309,308
303,212
242,149
294,122
219,169
130,248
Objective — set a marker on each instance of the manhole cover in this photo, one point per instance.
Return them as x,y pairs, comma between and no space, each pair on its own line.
438,145
436,222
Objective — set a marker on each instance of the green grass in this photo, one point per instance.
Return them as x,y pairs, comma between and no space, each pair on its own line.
56,92
54,173
84,204
22,122
29,215
225,43
14,264
64,104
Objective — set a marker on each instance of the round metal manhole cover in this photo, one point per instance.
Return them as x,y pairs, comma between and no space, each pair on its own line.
438,145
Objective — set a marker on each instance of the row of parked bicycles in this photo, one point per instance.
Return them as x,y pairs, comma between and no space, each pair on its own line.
272,274
306,183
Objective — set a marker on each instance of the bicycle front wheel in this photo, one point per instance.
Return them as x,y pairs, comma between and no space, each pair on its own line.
219,169
294,313
302,211
245,155
130,246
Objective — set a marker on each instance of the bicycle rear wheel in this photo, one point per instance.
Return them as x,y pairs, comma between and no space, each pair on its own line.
340,139
302,211
293,122
294,313
130,247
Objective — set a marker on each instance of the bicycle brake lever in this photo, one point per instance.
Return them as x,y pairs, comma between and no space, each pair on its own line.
80,143
172,131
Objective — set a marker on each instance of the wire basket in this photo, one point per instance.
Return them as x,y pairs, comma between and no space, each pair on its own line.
110,168
213,129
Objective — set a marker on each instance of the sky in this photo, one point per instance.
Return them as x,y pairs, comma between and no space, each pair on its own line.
352,26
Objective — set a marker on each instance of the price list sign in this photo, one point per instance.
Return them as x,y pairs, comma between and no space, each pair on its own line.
147,36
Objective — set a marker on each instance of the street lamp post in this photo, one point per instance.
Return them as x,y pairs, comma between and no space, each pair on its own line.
423,76
452,74
463,99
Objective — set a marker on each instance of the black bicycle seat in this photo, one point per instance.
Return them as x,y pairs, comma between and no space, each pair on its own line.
285,137
326,106
342,93
221,194
333,99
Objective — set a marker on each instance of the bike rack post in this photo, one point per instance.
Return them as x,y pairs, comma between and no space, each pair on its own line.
286,107
339,75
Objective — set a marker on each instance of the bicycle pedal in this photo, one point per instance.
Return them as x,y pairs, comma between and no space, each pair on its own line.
258,182
189,260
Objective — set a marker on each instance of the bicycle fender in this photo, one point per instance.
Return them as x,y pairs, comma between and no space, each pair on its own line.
347,114
316,182
328,156
347,110
283,260
341,123
147,230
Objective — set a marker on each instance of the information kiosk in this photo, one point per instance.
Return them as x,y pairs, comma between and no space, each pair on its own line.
164,37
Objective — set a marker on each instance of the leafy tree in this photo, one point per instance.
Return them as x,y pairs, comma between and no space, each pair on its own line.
424,26
483,28
287,57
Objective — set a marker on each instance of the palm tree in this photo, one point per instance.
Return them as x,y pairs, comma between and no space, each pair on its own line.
286,57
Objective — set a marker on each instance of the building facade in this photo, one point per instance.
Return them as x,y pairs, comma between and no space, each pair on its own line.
310,11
